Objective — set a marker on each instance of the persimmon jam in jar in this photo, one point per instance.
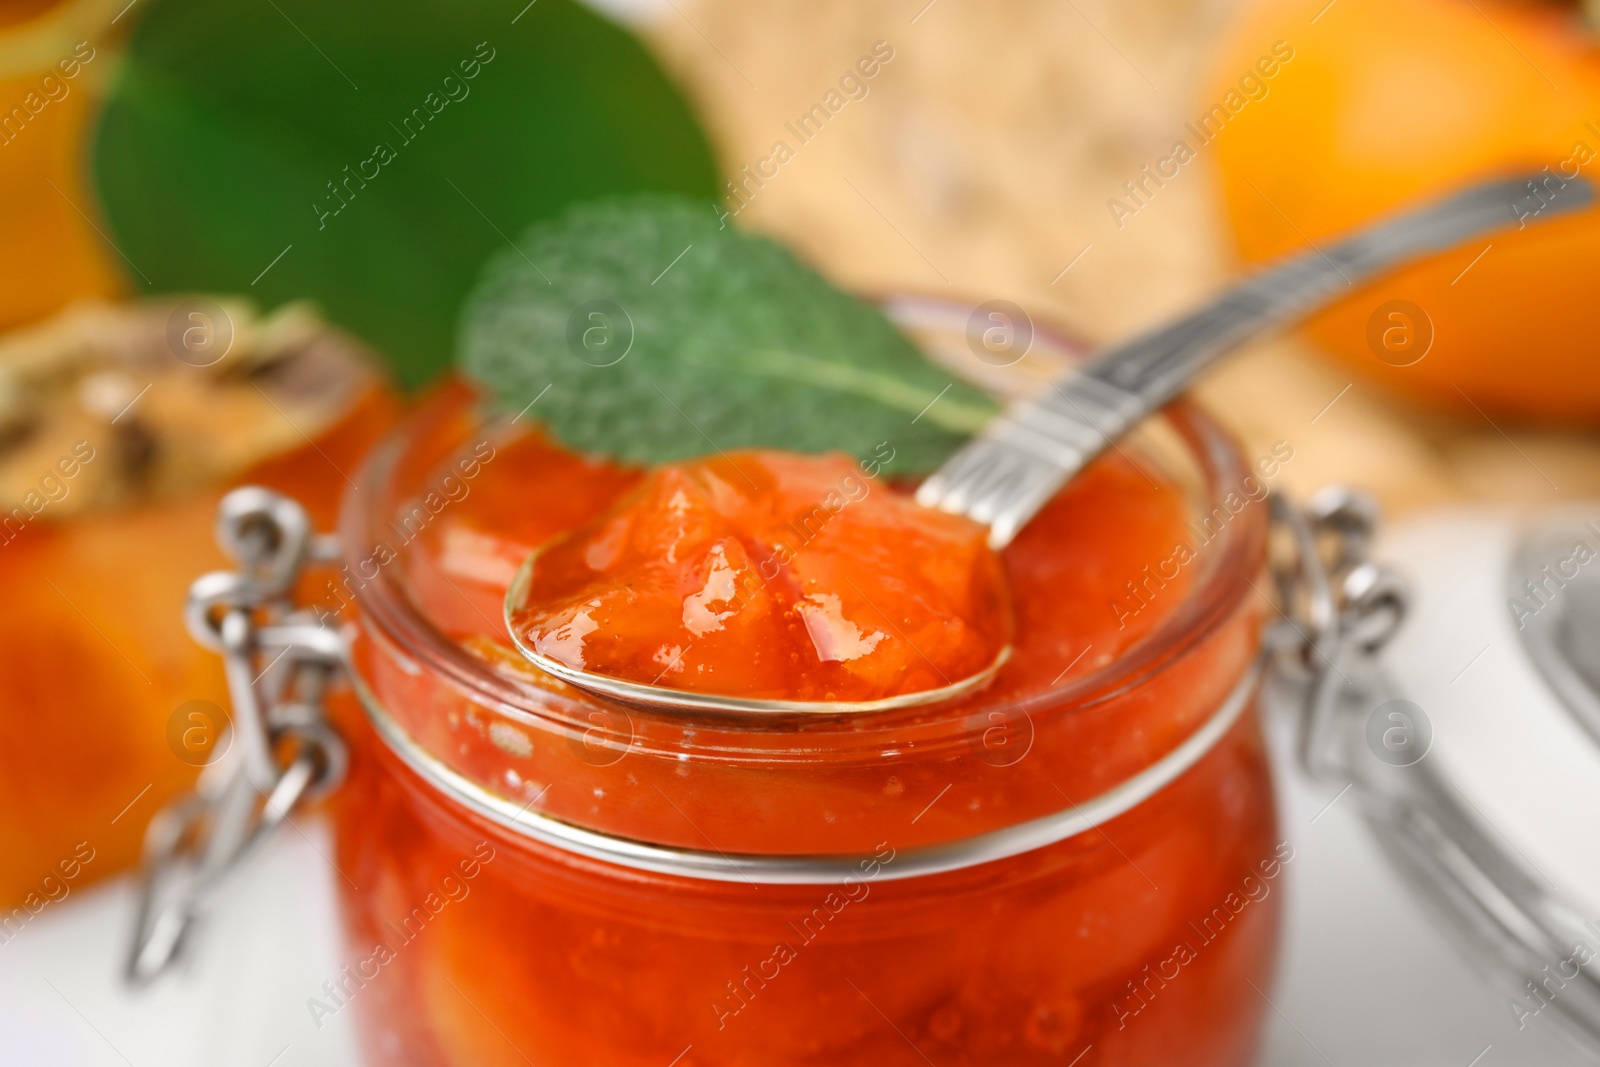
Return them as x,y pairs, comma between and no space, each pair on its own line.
1073,864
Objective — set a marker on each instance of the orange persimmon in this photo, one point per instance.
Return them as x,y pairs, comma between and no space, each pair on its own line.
1386,103
54,58
105,520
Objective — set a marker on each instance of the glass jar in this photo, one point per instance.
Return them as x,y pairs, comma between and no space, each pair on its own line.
1086,873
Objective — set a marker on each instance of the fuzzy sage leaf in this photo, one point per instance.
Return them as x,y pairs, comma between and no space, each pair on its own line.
663,333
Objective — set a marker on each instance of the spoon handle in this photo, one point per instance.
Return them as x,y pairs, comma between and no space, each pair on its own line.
1017,462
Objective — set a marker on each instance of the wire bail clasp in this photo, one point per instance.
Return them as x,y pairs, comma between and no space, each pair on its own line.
279,752
1338,610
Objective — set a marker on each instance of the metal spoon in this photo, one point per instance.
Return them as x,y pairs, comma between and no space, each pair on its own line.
1012,468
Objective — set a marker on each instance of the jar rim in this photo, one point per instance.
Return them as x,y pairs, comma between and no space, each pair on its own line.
1236,553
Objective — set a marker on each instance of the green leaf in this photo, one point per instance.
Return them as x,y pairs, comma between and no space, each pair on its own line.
227,121
662,332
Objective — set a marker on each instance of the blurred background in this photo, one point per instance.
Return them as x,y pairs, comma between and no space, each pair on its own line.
310,188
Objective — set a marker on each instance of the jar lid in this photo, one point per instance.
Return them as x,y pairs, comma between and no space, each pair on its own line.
1483,782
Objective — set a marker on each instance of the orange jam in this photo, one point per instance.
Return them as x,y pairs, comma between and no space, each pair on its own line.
1134,942
773,576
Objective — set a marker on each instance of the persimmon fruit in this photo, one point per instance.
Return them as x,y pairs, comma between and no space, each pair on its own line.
1388,103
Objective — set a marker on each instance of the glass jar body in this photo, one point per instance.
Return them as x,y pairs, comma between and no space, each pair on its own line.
470,944
1134,938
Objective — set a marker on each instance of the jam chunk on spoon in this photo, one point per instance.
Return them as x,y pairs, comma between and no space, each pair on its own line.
768,576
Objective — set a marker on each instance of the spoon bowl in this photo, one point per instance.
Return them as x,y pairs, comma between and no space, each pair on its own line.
648,697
